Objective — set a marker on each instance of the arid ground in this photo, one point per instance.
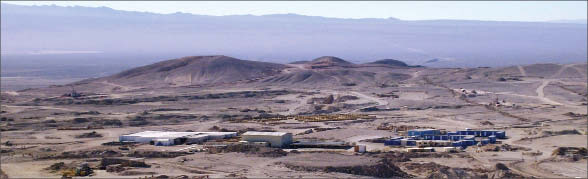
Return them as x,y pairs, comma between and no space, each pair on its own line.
542,108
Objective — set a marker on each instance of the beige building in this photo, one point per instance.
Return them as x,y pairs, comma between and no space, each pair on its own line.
275,139
449,149
426,149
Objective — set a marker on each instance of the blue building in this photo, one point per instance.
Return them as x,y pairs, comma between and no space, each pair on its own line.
492,139
424,132
463,138
411,143
392,142
483,133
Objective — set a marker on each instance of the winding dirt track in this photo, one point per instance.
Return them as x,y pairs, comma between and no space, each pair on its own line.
545,82
541,94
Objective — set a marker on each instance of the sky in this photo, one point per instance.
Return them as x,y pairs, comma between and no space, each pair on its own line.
404,10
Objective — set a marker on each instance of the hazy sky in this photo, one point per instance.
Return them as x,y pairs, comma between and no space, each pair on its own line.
420,10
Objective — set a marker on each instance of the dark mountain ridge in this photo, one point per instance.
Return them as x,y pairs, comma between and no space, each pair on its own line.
36,29
390,62
326,62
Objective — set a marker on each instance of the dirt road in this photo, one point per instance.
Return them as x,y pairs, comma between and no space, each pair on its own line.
541,94
377,100
530,169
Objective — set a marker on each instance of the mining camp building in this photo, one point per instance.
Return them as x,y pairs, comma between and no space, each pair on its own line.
166,138
275,139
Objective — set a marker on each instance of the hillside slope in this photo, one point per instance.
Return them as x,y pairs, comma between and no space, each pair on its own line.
194,70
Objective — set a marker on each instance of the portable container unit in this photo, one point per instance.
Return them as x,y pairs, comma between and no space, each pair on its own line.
392,142
483,133
413,138
485,141
500,135
457,144
440,137
469,142
492,139
423,132
469,132
456,137
486,133
472,132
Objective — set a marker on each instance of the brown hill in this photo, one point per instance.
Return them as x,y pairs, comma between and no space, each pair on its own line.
223,70
389,62
327,62
200,70
194,70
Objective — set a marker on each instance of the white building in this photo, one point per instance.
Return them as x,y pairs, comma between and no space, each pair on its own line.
164,142
174,138
449,149
275,139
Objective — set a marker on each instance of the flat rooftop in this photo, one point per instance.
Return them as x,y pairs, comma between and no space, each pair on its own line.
168,134
264,133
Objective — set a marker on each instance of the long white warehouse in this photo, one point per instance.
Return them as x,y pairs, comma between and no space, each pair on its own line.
174,138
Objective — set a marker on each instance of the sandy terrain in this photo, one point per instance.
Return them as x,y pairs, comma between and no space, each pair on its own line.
536,102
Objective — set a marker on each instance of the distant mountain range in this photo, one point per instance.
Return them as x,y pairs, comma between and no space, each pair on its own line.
283,38
572,21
